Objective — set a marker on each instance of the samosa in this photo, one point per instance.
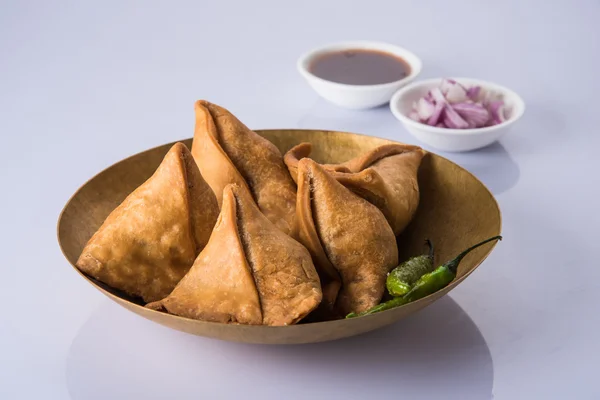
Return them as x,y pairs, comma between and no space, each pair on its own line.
352,245
150,241
249,272
227,151
386,177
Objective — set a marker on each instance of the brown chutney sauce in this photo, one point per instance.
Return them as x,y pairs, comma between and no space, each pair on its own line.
359,67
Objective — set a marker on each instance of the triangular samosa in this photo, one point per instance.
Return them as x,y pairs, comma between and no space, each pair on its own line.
227,151
149,242
249,272
385,176
345,233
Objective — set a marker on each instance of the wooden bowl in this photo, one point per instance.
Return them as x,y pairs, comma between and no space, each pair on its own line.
456,210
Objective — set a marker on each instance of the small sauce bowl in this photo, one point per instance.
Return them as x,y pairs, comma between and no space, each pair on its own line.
455,140
357,96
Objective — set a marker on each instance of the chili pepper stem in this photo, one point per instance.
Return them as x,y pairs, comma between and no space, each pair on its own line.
452,265
430,244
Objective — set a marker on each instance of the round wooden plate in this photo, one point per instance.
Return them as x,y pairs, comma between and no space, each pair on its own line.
455,211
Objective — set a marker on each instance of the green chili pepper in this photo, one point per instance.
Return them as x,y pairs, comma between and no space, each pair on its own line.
427,284
400,280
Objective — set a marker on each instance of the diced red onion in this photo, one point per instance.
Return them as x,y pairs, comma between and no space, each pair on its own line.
475,114
438,96
425,108
429,97
497,111
473,92
437,114
453,120
454,92
452,105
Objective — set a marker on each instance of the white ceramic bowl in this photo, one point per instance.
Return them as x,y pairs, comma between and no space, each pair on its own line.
358,96
455,140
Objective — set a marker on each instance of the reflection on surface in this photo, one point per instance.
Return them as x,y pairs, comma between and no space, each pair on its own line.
492,165
436,353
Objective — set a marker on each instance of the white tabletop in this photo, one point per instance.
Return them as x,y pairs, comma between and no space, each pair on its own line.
83,86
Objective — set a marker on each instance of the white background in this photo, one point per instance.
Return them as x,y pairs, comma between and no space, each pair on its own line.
85,84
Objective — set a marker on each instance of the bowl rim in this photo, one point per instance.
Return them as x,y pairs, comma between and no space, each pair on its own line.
143,309
519,107
415,63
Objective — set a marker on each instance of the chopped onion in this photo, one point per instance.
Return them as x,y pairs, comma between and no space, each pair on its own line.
473,92
437,114
453,120
475,114
425,108
453,92
438,96
429,97
454,106
497,111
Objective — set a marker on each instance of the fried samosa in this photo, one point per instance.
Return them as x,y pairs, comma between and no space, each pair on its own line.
385,176
226,151
149,242
249,272
349,239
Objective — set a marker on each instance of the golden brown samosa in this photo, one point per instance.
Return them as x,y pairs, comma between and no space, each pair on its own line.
249,272
226,151
345,234
385,176
149,242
